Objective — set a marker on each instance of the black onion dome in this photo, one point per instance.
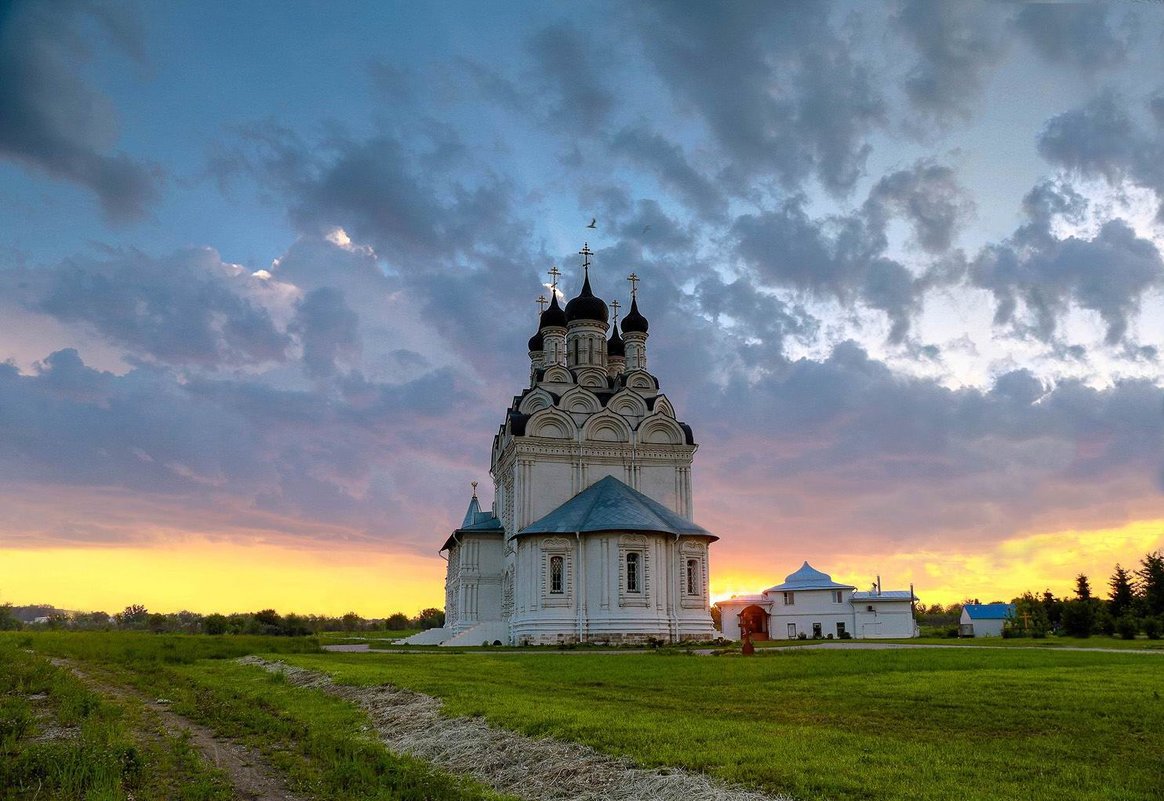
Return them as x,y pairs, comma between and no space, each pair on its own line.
615,345
537,342
553,316
586,306
634,321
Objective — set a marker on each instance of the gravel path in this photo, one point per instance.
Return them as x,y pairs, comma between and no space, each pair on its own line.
539,769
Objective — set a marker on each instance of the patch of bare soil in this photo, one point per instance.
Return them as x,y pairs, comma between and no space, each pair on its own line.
250,777
540,769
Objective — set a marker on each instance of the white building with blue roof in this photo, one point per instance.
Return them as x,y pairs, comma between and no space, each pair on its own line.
984,620
808,603
591,537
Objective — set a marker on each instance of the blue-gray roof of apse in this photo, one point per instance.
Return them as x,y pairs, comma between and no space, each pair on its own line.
610,505
808,578
989,611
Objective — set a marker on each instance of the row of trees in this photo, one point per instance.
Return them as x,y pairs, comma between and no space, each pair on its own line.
1134,604
267,621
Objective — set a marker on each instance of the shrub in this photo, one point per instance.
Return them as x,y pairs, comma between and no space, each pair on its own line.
846,635
1152,627
1127,627
802,636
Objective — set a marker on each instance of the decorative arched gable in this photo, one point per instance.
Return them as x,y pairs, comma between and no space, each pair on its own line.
593,377
579,400
628,402
557,375
641,380
663,406
535,401
551,424
606,427
659,430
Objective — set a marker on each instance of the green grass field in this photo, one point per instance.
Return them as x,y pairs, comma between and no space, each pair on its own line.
952,723
916,724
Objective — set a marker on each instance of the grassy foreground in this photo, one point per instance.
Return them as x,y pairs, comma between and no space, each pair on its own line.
956,724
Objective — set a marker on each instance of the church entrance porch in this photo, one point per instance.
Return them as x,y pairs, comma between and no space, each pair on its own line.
754,619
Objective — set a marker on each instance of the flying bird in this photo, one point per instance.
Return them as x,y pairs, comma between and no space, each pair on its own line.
593,222
646,228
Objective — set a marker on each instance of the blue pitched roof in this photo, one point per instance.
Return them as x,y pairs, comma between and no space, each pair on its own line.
989,611
808,578
610,505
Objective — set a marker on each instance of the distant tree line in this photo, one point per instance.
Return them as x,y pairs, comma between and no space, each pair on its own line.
266,621
1134,605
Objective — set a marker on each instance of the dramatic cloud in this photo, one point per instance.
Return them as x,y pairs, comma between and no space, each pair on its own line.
328,329
799,104
54,120
928,197
189,308
1078,34
957,45
1108,274
1102,139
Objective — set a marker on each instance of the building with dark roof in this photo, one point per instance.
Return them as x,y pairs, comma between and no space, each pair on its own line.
591,537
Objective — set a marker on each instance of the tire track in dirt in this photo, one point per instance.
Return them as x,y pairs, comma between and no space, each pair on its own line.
250,777
538,769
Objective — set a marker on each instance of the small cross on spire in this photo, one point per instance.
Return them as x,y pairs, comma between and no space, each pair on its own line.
614,304
542,303
474,483
634,282
586,253
554,272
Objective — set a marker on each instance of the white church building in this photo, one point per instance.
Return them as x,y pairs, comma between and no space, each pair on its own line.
591,536
809,603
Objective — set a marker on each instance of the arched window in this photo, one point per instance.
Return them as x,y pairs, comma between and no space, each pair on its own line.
632,572
693,577
556,563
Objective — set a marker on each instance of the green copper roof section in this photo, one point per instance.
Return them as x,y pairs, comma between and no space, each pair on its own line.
610,505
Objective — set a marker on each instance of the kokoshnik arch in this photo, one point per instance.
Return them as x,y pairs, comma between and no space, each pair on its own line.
591,537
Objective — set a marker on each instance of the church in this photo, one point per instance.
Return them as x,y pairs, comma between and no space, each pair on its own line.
591,536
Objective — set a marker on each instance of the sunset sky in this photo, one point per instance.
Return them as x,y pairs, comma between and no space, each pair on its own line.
267,273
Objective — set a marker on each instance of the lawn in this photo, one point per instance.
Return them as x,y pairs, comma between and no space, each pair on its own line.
902,724
946,723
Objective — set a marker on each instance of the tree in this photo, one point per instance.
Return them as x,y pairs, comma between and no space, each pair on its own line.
430,618
1053,608
133,616
1121,592
1082,588
1150,583
1078,617
1030,617
214,624
8,621
352,622
397,621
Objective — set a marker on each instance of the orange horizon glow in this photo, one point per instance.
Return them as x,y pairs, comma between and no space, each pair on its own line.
206,576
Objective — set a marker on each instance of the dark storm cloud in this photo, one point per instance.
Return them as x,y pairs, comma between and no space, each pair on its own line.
839,257
54,120
928,197
244,444
910,460
565,67
957,44
328,329
1108,274
666,161
185,309
777,87
1103,139
1077,34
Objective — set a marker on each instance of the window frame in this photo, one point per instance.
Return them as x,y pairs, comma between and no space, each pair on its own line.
789,598
558,576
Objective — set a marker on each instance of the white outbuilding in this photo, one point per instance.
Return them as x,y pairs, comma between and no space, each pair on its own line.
810,604
984,620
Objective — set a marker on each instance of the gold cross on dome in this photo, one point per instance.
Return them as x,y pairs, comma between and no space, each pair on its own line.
614,304
554,272
542,303
634,282
586,253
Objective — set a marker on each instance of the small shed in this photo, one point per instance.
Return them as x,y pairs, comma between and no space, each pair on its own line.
984,620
